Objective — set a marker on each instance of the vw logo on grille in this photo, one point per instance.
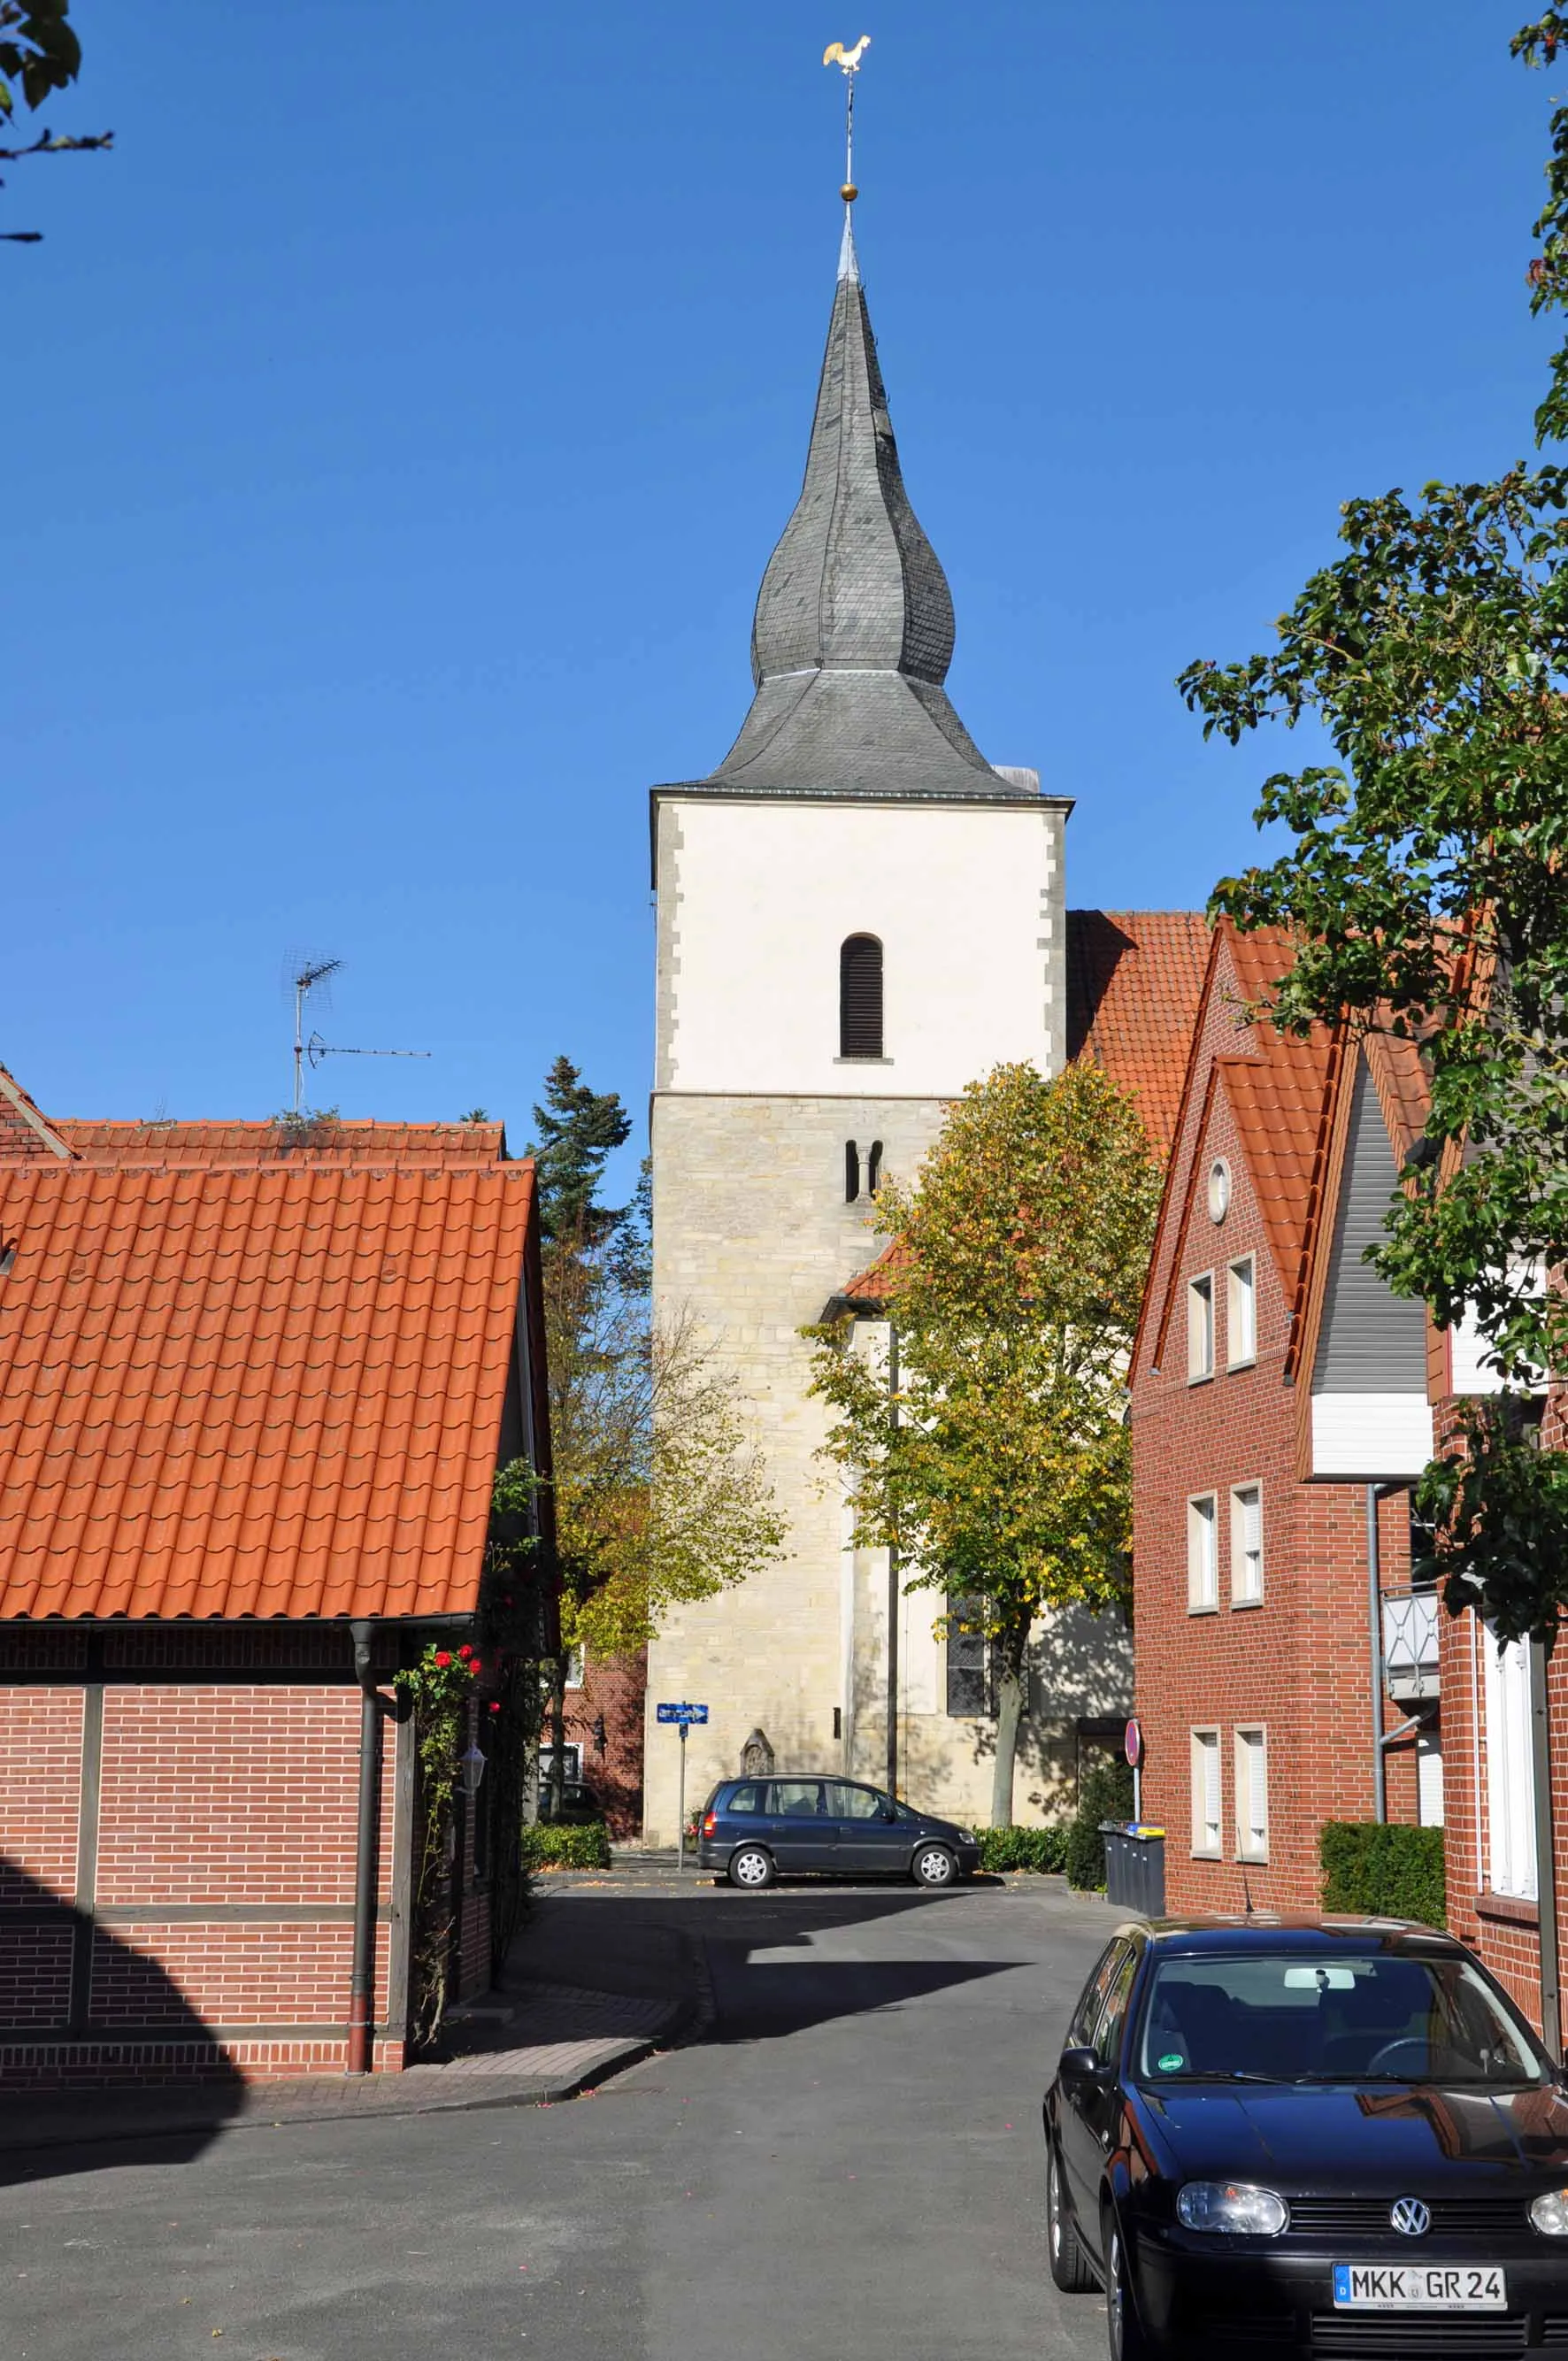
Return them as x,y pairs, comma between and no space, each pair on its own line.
1411,2217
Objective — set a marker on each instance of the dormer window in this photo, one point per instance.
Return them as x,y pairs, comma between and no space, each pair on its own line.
860,998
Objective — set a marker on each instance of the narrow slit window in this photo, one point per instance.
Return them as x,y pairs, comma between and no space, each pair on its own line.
1241,1342
969,1666
874,1168
1252,1794
852,1171
1203,1558
1246,1545
860,998
1201,1328
1206,1792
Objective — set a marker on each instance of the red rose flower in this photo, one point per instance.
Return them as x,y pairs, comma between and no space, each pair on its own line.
465,1651
495,1705
475,1665
442,1658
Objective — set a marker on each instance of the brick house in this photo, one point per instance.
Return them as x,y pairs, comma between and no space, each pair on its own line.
604,1706
1281,1404
254,1385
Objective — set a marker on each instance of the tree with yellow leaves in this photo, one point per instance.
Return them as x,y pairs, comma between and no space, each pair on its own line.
1001,1470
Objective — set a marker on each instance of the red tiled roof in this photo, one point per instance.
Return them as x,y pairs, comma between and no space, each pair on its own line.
236,1392
880,1279
22,1131
1277,1099
1133,981
171,1146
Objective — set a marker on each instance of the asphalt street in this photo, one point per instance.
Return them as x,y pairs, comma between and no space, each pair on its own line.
849,2165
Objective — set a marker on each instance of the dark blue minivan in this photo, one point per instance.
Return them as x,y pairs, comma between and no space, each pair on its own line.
752,1831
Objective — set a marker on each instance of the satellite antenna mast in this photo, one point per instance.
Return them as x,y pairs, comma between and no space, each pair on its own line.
309,975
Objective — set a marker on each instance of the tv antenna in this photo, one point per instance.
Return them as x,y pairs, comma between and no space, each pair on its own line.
307,977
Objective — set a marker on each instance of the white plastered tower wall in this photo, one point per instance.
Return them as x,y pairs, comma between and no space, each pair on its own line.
854,802
752,1230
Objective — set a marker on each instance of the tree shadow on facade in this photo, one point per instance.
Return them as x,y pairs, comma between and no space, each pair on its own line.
97,2044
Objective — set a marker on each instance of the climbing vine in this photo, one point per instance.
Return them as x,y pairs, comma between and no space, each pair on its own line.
487,1683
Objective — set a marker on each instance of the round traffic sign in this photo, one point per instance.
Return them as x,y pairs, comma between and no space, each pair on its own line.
1133,1742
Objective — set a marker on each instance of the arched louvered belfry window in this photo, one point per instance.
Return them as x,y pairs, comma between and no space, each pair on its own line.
860,998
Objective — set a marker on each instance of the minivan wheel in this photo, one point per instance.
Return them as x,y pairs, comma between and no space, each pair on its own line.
1069,2265
752,1868
934,1866
1124,2333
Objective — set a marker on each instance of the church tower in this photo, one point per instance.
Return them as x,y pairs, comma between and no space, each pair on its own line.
857,916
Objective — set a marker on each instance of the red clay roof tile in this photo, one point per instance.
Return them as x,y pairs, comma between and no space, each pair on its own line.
234,1391
1133,981
172,1146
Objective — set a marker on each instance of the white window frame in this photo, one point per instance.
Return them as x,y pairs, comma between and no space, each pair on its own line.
1244,1592
1202,1553
1208,1785
1510,1779
1241,1313
1251,1773
577,1663
1199,1328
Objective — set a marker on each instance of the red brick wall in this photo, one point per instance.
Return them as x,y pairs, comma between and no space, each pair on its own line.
1298,1665
1503,1931
615,1687
41,1769
242,1799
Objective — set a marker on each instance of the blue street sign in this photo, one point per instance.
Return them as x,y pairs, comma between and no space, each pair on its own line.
681,1713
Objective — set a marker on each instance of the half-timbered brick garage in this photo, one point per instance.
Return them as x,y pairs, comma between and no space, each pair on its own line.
255,1386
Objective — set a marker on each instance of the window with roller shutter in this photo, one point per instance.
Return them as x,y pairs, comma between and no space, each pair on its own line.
860,998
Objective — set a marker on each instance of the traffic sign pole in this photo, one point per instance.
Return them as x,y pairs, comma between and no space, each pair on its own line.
681,1847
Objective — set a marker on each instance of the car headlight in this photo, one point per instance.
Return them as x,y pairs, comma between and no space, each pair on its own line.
1236,2207
1550,2213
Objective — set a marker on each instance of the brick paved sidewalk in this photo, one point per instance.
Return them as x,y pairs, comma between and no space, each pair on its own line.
537,2043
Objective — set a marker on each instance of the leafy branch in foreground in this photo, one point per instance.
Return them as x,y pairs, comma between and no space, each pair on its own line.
39,56
1426,887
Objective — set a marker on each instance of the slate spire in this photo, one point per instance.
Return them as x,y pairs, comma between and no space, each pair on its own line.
853,631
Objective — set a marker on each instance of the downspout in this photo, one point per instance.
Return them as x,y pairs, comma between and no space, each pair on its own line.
1375,1616
892,1581
367,1860
1545,1848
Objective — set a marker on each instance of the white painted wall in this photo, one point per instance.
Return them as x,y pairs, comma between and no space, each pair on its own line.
1365,1438
755,899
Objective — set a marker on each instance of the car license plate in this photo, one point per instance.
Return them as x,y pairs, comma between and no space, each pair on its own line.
1417,2287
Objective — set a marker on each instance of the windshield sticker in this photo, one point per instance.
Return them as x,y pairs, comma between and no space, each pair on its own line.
1172,2062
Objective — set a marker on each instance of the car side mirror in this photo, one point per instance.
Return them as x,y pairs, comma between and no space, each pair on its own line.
1081,2065
888,1813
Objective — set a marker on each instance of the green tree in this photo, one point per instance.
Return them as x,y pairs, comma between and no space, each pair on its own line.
1426,885
39,56
660,1493
1003,1479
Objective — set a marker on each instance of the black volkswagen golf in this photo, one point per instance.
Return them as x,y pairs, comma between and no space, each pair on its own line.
1309,2137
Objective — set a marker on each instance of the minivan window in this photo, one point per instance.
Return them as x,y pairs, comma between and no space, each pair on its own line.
798,1799
746,1799
846,1803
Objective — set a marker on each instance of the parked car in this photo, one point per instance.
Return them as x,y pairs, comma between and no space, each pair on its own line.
580,1807
1308,2136
754,1830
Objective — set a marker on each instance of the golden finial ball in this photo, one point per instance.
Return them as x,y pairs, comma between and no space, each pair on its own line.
848,192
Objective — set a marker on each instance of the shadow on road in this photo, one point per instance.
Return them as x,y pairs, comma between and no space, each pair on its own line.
682,1942
72,1995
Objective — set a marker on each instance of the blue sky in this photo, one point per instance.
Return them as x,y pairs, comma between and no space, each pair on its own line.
399,419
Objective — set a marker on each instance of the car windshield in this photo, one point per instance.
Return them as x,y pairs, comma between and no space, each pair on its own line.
1373,2017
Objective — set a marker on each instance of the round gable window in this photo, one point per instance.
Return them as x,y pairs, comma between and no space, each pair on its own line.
1218,1190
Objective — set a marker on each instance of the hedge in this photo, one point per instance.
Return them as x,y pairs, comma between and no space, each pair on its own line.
1377,1871
1105,1794
550,1845
1005,1848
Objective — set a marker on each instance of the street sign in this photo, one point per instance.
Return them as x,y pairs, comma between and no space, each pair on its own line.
1132,1743
682,1716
